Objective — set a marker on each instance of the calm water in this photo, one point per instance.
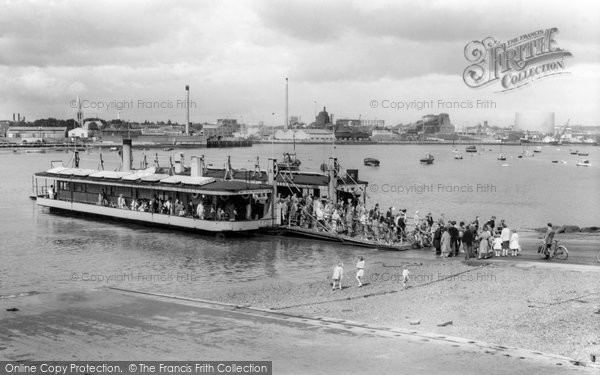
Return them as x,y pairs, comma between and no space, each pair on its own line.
45,252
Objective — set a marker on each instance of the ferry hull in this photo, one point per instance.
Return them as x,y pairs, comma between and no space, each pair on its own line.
156,219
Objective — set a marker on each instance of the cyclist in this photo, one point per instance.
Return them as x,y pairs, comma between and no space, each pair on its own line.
549,238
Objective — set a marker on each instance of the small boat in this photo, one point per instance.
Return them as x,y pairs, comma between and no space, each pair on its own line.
168,149
428,159
574,152
505,165
371,162
290,162
585,163
471,148
458,156
537,149
501,157
520,156
555,161
114,148
583,153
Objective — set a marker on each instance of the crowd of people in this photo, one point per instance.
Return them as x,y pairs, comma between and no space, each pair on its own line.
351,218
198,208
392,226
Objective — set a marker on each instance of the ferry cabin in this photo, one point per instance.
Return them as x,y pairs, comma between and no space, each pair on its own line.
330,184
155,198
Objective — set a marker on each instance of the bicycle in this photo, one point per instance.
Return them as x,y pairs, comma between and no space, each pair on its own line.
556,251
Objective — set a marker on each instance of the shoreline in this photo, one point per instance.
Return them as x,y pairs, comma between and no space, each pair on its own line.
513,303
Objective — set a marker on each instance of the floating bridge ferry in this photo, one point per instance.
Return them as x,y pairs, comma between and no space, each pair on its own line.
228,205
231,200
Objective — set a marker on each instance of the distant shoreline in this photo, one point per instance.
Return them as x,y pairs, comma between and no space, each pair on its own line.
80,146
445,143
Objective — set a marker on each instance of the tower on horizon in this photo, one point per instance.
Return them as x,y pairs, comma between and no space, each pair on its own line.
286,123
79,113
187,106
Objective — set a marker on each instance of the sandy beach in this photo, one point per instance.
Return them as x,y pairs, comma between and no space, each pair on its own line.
514,303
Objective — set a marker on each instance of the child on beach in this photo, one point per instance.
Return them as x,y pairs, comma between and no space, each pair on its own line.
497,245
405,274
514,243
360,270
338,274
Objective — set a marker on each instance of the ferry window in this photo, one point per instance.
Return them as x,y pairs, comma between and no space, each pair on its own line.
95,189
79,187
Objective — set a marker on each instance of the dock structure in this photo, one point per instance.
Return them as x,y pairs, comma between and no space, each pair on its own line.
344,239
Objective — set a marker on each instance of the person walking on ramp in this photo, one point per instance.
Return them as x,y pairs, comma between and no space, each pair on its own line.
360,270
338,274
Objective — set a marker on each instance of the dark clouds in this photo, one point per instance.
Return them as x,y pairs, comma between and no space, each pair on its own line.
89,32
235,54
427,21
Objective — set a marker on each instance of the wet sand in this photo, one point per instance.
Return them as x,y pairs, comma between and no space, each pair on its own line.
546,306
108,325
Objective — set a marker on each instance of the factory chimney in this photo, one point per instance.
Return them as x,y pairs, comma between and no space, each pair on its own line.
285,125
187,106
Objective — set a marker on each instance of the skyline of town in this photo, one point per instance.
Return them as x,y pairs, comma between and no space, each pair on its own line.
338,55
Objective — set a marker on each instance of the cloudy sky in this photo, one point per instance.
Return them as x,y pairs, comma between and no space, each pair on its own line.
235,55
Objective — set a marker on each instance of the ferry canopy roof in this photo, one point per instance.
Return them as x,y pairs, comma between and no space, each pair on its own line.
159,181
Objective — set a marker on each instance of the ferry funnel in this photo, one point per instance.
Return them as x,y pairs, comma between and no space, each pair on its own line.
126,155
197,166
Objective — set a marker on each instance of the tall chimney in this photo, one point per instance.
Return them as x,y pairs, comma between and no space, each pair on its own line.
187,106
285,125
18,117
13,117
126,155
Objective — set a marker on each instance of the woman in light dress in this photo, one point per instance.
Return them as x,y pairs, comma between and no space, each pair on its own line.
338,274
514,243
445,243
484,242
360,270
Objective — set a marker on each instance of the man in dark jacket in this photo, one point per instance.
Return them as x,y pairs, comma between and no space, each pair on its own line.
467,240
437,240
453,231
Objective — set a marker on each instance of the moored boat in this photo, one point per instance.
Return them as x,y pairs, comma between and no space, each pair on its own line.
583,163
371,162
471,148
290,162
537,149
501,157
428,159
583,153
